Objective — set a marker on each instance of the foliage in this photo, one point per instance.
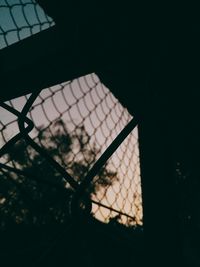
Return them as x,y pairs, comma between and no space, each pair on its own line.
41,195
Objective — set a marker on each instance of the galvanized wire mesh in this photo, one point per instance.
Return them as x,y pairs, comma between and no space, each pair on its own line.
82,110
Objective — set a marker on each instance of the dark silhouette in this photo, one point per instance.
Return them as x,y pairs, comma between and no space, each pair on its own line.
36,224
151,51
42,196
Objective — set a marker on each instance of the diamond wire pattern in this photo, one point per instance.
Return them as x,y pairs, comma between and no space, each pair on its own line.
82,104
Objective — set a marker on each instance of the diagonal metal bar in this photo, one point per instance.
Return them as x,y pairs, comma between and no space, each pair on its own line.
105,156
35,146
112,209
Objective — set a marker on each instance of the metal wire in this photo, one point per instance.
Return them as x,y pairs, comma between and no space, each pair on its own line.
20,19
18,136
82,108
71,131
58,141
76,127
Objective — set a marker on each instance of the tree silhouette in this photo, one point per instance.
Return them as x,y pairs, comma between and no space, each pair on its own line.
40,195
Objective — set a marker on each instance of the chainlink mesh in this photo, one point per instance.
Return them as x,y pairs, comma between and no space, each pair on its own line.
74,122
20,19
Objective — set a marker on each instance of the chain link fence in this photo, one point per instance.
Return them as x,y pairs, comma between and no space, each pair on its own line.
74,122
20,19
